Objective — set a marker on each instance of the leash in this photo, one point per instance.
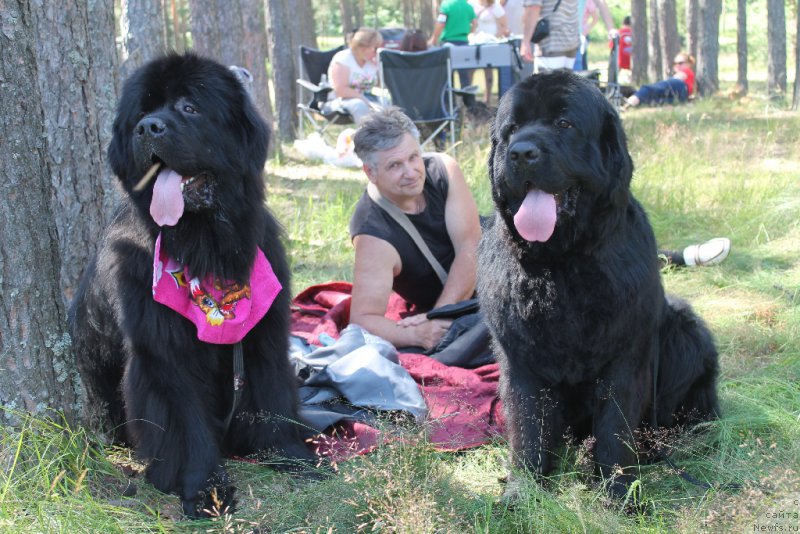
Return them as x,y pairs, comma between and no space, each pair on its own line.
238,382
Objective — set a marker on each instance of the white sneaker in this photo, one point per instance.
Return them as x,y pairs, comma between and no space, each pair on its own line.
709,253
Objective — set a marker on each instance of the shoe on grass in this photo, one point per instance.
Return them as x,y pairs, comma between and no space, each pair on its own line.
709,253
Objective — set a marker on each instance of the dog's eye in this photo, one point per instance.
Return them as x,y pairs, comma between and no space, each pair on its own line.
189,109
563,123
510,130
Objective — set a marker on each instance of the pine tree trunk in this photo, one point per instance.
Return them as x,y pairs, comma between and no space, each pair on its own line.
144,36
692,17
655,66
307,35
796,92
640,56
668,34
707,75
282,53
776,48
741,48
427,9
234,33
54,194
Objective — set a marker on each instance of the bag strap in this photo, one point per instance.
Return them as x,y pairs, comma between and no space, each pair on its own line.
401,219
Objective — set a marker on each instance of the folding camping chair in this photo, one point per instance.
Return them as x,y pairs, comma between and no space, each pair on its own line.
314,91
419,84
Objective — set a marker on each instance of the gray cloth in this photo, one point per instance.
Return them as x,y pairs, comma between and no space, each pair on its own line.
360,368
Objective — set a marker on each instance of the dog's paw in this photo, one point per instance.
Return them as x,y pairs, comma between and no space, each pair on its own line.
216,501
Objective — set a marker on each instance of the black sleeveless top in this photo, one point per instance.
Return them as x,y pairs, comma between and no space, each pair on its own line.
417,282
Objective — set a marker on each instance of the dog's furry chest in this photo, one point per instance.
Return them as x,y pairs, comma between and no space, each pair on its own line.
570,317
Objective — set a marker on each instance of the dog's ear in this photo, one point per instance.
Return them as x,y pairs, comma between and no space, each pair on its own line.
617,159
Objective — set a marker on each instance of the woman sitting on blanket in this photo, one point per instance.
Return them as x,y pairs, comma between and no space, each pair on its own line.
430,189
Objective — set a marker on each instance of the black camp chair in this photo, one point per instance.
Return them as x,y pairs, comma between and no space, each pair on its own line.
314,89
419,84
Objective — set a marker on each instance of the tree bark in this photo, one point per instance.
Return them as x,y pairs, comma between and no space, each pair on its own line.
640,59
776,48
741,48
349,22
77,83
796,92
234,33
692,16
53,191
707,75
282,53
655,66
427,15
307,35
144,33
668,34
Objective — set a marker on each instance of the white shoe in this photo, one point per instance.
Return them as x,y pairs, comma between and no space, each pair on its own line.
709,253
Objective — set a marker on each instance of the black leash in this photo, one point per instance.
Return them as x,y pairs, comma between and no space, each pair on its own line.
238,382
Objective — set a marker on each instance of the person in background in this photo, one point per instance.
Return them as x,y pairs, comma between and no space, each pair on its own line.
414,41
591,15
455,21
559,49
513,16
678,88
431,190
625,44
353,72
491,26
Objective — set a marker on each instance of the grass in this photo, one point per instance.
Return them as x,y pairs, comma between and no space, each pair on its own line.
714,167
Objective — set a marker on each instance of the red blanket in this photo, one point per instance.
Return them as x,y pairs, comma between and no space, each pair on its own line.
463,405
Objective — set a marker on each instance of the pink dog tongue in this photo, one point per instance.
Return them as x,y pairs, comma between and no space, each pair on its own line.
536,218
167,204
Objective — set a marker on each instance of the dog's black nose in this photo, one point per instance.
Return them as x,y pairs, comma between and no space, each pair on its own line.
524,152
151,126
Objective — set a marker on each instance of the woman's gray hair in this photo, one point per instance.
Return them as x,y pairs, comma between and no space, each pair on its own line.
381,130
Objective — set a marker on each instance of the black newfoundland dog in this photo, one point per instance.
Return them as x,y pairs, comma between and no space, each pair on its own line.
569,282
181,322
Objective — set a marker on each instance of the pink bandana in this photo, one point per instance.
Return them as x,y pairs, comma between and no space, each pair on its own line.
223,312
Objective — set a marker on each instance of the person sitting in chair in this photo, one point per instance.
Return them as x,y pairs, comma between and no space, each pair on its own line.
353,72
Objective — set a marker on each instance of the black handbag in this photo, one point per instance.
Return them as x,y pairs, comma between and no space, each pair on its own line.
542,29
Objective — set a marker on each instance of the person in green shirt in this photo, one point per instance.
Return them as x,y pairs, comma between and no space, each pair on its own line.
456,20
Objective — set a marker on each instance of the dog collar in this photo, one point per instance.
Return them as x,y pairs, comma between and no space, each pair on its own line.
223,312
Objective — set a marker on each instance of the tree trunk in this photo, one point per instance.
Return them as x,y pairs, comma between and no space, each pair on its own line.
307,35
776,48
796,92
692,16
640,56
410,13
427,9
348,16
53,190
143,30
655,66
77,83
741,48
707,75
284,71
668,34
234,33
